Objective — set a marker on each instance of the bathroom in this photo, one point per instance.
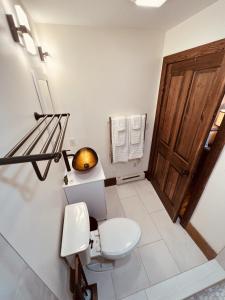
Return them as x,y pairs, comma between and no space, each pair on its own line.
102,63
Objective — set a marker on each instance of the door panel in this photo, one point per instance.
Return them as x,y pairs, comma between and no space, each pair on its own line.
159,170
171,104
189,102
194,113
171,183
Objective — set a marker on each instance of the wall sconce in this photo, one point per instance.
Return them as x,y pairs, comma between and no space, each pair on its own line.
42,54
22,33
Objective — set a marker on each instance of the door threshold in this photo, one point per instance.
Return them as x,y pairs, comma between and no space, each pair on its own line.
188,283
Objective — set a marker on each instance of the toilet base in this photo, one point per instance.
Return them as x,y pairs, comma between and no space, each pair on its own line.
100,265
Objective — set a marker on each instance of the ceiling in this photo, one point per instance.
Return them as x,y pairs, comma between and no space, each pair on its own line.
113,13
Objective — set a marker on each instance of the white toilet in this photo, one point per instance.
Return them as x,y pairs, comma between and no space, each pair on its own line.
114,238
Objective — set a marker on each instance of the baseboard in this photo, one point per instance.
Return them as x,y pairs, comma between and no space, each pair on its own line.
110,181
200,241
147,175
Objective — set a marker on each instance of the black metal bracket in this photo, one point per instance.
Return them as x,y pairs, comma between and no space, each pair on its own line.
43,122
65,157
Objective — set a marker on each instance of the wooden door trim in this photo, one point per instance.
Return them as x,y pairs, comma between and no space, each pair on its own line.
217,46
213,47
201,242
205,173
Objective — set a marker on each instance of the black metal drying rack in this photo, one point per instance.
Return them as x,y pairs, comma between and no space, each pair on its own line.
27,156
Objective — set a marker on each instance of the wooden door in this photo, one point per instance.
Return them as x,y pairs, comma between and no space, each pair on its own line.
190,95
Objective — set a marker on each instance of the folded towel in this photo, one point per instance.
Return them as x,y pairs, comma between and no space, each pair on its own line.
120,123
119,132
135,122
136,140
135,136
119,140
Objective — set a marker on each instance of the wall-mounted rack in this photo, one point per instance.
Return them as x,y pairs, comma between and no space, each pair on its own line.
55,138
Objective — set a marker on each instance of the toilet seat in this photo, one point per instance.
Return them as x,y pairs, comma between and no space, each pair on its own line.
118,236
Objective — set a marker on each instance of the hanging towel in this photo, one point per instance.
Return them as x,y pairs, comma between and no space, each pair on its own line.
135,129
120,123
135,122
119,139
136,139
119,130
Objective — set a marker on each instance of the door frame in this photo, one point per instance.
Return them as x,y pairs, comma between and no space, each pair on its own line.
204,173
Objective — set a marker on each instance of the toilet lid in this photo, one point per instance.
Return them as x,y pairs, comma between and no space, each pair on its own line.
118,236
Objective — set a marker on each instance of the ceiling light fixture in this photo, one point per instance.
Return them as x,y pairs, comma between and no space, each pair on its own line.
149,3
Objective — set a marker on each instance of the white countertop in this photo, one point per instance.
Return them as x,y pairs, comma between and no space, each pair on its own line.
77,178
76,229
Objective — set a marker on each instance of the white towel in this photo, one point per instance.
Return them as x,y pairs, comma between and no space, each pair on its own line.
119,139
136,139
119,131
135,122
121,123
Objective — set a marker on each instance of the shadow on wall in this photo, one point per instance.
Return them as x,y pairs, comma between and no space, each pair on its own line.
20,178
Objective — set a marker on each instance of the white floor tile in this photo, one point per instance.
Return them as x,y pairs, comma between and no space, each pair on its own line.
184,250
148,196
135,210
144,184
104,283
113,204
188,283
126,190
158,262
129,276
137,296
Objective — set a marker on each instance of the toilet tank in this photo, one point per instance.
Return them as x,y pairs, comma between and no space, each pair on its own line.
76,230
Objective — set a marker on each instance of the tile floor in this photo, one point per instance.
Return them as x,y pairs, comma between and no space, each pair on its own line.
216,292
165,249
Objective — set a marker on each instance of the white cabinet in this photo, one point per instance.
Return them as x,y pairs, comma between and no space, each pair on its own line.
88,187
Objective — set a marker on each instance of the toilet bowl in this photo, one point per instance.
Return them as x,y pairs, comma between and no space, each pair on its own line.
118,237
114,239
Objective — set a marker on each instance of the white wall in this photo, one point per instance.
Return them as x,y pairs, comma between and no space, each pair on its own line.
97,73
30,211
17,280
205,27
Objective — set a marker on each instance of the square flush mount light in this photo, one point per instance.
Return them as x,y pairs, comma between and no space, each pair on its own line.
149,3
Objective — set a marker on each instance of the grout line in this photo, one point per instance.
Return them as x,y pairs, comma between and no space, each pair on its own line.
172,276
172,255
149,243
144,290
148,276
162,239
171,252
113,284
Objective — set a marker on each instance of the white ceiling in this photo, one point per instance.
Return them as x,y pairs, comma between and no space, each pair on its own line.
113,13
